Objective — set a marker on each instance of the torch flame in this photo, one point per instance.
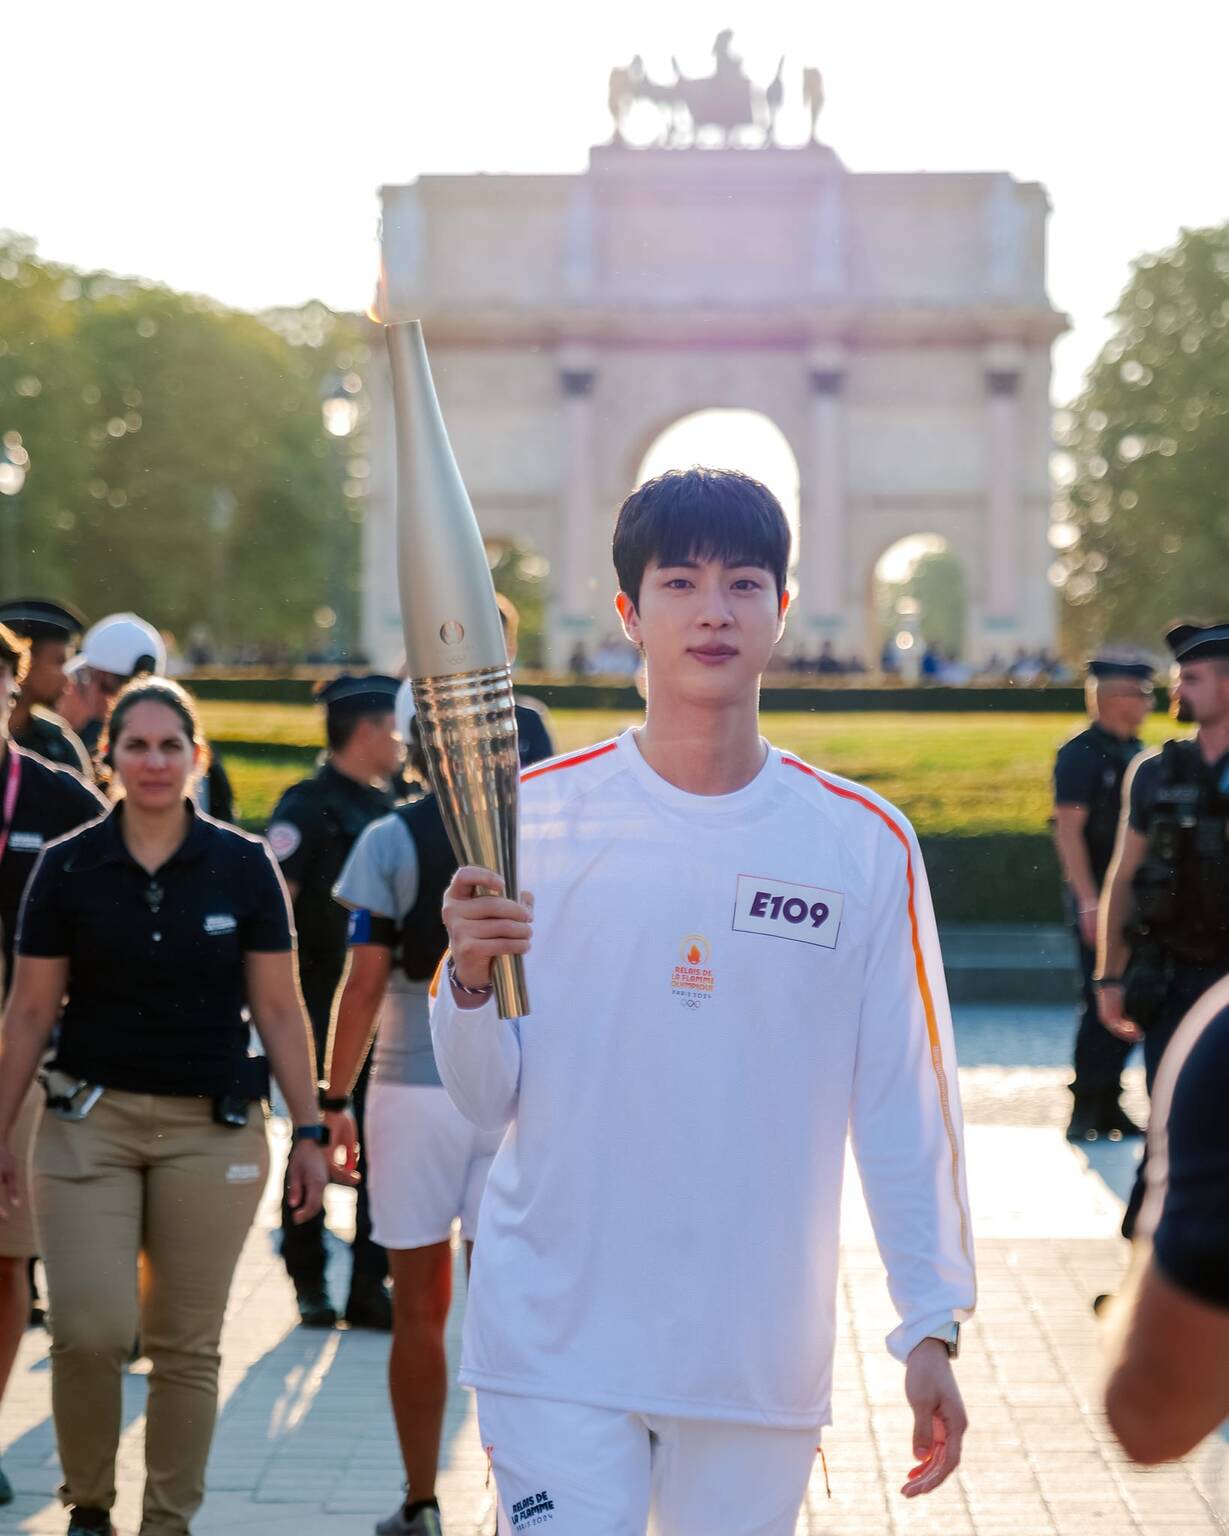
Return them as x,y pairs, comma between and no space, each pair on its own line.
693,955
378,308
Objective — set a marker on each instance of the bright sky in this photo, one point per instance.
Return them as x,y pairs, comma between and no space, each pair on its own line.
235,147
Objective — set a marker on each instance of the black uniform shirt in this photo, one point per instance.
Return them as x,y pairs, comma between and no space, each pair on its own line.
51,739
156,985
1089,771
314,826
532,733
1147,782
50,802
1192,1238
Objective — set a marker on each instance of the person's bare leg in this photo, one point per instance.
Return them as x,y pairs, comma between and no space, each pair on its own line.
417,1366
14,1312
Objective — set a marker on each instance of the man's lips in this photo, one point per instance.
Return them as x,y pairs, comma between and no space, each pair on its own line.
711,655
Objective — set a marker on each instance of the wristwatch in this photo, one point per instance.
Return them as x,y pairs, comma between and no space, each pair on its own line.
336,1105
317,1133
949,1337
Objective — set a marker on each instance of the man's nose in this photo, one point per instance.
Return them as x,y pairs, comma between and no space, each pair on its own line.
715,607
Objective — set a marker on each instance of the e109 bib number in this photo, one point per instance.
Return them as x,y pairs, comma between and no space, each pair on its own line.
792,908
779,909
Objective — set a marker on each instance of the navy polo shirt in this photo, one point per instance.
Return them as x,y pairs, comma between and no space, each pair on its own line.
156,987
50,802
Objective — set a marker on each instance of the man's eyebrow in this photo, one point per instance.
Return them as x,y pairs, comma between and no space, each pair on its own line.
726,565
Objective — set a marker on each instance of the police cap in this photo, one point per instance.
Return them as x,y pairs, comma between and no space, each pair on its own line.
1198,642
349,695
1121,663
37,618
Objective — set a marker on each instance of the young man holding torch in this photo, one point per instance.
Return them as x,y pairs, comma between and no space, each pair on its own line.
734,961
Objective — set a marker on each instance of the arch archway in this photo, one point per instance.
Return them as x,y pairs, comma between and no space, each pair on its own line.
918,609
732,438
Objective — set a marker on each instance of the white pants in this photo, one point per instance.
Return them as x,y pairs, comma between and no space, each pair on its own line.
565,1469
428,1165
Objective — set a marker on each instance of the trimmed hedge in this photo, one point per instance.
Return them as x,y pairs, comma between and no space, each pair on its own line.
999,878
620,696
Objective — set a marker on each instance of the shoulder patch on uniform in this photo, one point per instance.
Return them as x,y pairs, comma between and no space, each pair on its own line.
284,839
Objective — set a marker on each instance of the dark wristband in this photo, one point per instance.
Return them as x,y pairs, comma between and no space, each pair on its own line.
317,1133
1101,982
333,1106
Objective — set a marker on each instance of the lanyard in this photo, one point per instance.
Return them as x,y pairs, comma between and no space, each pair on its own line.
12,782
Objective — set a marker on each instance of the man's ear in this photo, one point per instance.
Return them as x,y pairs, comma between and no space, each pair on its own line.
628,617
784,609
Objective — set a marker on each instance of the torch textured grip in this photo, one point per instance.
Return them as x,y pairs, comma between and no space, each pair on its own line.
468,727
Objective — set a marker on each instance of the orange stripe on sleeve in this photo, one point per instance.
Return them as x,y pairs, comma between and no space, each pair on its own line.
573,760
923,982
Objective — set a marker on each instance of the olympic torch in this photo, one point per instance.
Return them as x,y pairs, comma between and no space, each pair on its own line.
454,643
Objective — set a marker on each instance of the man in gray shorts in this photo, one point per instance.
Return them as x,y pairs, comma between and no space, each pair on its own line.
426,1164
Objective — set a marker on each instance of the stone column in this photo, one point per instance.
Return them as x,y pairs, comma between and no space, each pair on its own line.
572,600
822,556
1001,607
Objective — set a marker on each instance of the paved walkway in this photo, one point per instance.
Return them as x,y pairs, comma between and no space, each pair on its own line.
305,1440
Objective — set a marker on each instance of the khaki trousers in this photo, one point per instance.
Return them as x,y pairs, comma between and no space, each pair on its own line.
145,1182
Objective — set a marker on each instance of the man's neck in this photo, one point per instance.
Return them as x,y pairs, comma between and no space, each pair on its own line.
352,765
699,748
1213,740
1112,728
19,715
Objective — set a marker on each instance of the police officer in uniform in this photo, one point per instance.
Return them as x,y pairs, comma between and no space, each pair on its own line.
1088,775
1164,929
314,826
52,630
38,802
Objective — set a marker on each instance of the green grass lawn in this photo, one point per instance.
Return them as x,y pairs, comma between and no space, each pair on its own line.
963,774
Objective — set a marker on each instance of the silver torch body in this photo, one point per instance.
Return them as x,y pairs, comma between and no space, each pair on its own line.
454,643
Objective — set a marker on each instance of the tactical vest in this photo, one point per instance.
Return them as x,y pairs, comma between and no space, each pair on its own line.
1181,888
423,937
1105,802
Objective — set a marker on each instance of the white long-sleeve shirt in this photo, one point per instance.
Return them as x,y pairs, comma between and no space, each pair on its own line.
721,988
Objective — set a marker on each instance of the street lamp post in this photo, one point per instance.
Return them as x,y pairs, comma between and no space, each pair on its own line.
339,411
14,465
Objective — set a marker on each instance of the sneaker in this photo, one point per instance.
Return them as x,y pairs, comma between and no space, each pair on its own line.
90,1522
6,1489
1115,1123
425,1523
1085,1123
315,1308
372,1307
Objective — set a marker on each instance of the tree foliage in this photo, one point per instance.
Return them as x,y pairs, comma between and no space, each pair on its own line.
178,461
1146,502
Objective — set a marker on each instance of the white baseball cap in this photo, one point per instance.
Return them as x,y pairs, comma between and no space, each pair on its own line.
123,645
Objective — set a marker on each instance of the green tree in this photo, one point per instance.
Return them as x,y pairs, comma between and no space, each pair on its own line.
178,461
1146,504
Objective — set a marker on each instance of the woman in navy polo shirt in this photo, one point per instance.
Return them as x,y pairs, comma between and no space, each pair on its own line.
161,928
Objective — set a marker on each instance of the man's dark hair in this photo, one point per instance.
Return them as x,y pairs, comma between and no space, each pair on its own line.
700,514
340,729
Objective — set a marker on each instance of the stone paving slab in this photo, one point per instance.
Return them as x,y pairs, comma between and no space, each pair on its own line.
305,1438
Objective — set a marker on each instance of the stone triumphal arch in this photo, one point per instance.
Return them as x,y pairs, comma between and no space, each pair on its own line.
896,328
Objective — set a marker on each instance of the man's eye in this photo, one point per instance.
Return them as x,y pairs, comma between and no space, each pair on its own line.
747,584
678,581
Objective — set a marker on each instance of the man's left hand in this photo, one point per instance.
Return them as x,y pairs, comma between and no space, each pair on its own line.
343,1146
939,1419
